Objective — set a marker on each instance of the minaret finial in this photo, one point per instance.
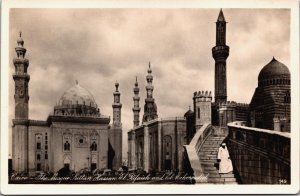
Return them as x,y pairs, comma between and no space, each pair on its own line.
117,85
20,41
221,17
149,69
135,78
76,82
189,107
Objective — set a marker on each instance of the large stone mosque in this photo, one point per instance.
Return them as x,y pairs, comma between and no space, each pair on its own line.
77,135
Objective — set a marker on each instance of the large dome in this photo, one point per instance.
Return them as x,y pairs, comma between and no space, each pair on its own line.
274,69
76,101
77,95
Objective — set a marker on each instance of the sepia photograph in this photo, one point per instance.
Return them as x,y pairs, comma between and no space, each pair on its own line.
144,96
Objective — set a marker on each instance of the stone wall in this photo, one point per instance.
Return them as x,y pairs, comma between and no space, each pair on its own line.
192,151
157,145
260,156
80,137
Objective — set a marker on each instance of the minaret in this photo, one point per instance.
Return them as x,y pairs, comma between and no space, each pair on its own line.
150,109
117,107
21,79
115,133
20,127
136,108
220,53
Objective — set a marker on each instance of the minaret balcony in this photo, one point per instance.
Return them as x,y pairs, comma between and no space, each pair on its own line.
136,109
220,52
116,105
21,61
22,76
149,87
149,100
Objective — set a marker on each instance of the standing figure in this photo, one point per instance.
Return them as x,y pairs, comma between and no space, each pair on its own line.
225,165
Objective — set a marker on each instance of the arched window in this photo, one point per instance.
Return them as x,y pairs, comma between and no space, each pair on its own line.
38,157
94,146
67,146
287,97
167,152
198,112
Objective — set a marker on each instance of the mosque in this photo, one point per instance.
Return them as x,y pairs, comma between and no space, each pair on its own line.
76,136
157,144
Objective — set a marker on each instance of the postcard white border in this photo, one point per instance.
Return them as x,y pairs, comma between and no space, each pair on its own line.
151,189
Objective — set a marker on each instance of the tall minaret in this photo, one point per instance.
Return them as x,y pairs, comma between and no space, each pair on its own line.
136,108
150,109
20,127
21,79
117,107
115,133
220,53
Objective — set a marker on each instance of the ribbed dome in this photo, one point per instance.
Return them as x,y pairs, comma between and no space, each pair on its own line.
77,95
273,69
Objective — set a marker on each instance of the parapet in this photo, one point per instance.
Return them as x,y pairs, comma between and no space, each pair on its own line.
203,95
234,104
228,104
242,105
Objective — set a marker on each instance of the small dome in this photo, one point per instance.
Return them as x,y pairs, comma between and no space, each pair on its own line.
189,112
274,69
77,95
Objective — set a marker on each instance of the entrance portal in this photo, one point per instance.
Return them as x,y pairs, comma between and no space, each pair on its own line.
93,166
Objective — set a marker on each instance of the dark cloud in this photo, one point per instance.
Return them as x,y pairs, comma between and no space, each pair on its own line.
99,46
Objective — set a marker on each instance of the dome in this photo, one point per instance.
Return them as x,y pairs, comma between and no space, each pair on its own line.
77,101
274,69
189,112
77,95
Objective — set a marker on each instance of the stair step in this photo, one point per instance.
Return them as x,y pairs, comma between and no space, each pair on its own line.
212,143
208,158
231,183
208,153
209,168
221,180
205,149
211,155
215,138
215,180
230,179
221,176
227,175
209,147
204,163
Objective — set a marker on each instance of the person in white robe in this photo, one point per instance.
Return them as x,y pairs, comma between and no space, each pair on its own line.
225,164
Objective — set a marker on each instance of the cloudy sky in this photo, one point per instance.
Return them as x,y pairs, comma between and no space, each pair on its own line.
99,46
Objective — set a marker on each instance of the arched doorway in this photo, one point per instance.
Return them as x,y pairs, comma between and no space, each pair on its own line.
67,162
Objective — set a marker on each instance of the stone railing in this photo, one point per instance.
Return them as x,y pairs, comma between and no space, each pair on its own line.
161,119
192,150
260,156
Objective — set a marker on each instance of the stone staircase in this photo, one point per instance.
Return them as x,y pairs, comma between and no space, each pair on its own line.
208,157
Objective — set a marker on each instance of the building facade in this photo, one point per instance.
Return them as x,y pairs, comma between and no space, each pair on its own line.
75,136
156,144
